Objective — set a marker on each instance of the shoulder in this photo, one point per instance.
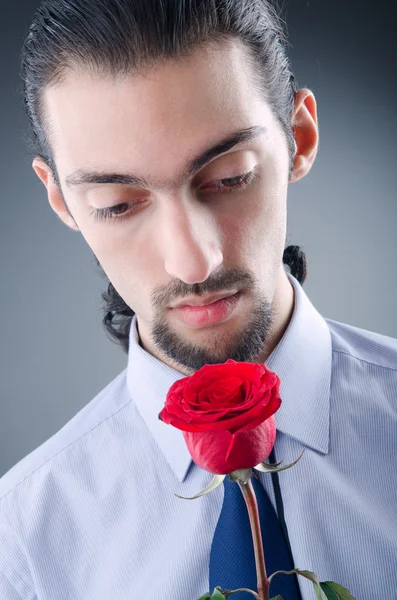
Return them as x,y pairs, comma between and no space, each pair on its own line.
105,404
363,345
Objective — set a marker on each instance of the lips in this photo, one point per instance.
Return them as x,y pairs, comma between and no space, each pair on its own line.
204,301
210,314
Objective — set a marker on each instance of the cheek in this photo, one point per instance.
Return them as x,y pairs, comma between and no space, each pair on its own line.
130,266
257,227
270,211
117,252
106,247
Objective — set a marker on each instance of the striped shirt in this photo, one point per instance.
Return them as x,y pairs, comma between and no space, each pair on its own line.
91,513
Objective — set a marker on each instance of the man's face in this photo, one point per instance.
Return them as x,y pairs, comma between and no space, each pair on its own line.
178,234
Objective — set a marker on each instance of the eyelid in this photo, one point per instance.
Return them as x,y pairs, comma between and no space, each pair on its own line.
237,161
240,173
222,179
222,173
247,179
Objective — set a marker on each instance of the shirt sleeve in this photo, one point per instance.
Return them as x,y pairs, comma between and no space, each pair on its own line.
7,591
15,578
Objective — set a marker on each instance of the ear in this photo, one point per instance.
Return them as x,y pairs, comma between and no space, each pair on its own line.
55,198
305,129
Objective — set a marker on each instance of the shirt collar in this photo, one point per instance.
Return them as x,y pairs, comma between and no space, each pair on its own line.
302,359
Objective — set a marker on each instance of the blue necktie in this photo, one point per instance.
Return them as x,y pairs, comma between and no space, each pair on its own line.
232,558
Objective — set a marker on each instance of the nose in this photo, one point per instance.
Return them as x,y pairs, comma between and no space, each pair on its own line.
190,240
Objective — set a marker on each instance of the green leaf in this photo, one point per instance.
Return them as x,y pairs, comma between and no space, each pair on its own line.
309,575
334,591
217,480
206,596
217,594
272,468
313,577
331,595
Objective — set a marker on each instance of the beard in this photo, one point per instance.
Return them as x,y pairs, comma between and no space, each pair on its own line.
242,344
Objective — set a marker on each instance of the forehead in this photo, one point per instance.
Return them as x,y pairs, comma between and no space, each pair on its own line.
155,119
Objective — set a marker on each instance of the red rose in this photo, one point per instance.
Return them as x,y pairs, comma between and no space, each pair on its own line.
226,414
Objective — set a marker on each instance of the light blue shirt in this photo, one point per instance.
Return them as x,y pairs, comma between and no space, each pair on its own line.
91,513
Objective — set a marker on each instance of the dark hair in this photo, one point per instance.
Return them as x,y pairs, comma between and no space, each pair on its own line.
116,37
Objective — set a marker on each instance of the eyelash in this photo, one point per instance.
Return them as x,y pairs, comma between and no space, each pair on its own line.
110,214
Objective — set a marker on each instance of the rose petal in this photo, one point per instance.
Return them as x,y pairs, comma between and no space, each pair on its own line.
208,451
249,448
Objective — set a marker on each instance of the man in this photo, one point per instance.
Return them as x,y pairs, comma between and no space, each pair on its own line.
167,133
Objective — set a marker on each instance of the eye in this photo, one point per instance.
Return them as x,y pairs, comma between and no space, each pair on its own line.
232,183
229,185
115,213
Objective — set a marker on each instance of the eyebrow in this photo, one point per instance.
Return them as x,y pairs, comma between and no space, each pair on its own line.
82,176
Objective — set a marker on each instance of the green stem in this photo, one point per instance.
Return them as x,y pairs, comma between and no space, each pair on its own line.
252,506
277,572
229,592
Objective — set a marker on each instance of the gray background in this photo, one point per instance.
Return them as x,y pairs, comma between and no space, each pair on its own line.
54,354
